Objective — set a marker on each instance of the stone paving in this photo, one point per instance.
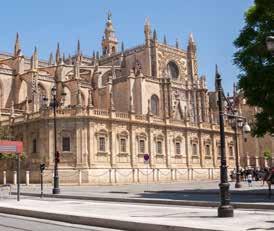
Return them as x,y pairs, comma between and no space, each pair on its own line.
195,217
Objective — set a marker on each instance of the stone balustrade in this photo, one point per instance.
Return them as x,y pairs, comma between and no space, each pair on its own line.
90,112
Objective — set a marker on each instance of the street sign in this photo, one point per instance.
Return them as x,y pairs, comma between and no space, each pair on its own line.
16,147
7,146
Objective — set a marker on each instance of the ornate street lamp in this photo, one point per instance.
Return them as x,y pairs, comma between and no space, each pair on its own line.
54,104
225,209
56,189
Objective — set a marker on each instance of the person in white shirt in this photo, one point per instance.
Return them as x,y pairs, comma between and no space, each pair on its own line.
249,180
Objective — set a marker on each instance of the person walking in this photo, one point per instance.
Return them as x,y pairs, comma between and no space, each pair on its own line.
249,179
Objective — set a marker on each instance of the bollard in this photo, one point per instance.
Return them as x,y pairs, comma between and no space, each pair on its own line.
80,177
14,177
4,177
115,175
110,176
27,177
133,175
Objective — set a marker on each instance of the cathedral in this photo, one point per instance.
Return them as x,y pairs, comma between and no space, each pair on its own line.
113,108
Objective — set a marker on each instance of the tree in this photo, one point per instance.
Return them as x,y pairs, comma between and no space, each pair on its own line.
256,64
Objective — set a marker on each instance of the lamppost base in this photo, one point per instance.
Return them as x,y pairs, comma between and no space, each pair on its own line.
225,211
238,185
56,191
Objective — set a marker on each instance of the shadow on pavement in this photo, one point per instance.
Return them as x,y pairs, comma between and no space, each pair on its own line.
248,196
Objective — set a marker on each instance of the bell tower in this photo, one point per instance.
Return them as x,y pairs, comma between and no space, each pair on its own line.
109,41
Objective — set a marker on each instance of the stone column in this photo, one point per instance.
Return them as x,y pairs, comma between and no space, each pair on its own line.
132,146
78,143
112,147
85,145
188,149
91,144
201,150
167,149
150,147
214,151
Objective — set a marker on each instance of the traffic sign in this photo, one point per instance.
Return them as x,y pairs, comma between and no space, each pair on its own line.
146,157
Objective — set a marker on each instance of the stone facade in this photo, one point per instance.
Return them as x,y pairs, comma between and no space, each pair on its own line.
116,108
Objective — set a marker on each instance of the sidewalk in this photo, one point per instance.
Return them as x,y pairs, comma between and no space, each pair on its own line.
127,216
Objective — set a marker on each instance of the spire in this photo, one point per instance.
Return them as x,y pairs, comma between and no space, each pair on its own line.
93,55
17,47
57,55
191,43
64,57
165,42
217,77
109,40
78,48
177,43
155,35
122,47
191,39
147,31
69,60
50,59
109,15
35,58
97,55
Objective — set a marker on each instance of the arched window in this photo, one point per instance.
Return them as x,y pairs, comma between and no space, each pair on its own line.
172,70
154,105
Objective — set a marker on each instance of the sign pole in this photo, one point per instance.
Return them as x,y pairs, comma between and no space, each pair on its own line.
18,177
146,161
147,176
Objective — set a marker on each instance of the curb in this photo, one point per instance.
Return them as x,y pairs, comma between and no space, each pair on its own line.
99,222
155,201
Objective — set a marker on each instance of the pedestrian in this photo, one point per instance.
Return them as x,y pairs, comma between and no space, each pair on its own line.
249,179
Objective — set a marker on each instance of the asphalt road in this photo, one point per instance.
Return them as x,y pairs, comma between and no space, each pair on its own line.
15,223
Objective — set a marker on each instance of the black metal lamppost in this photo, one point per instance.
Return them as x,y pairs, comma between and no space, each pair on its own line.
54,104
56,189
225,209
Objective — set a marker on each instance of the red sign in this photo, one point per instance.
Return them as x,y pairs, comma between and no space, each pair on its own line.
7,146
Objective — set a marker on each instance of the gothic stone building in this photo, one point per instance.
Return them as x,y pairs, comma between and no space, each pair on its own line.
117,107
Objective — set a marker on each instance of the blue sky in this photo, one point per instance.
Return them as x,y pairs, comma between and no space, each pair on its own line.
214,23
